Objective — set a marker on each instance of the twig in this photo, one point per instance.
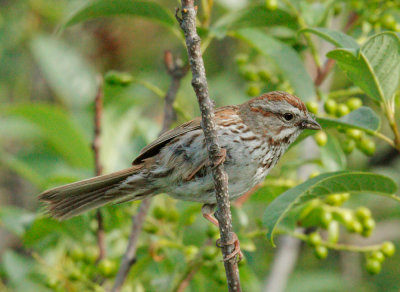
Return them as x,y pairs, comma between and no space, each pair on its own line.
199,83
177,71
98,112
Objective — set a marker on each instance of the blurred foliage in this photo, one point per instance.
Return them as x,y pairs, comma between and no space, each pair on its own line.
51,56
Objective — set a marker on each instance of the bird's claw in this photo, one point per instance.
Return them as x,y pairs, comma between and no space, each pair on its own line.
235,241
221,157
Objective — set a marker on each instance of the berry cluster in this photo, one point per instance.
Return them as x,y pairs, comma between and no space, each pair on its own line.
355,138
327,215
258,77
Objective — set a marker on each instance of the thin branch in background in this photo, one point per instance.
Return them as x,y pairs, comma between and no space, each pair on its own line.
177,71
200,86
98,112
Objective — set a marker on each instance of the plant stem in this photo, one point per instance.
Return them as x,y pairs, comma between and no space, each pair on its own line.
200,86
98,104
389,112
339,246
307,37
345,92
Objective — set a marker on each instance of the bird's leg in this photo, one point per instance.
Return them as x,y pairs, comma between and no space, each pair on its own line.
208,210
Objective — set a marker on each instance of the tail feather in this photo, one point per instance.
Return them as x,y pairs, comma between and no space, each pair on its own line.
73,199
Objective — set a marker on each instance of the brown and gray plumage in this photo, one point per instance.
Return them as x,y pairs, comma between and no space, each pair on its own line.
254,134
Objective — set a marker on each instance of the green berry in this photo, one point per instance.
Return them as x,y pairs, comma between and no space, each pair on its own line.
326,218
368,226
314,239
334,200
118,78
253,90
250,75
212,230
348,146
342,110
91,254
312,107
241,59
396,27
373,266
150,228
271,4
354,226
344,216
354,103
354,134
333,232
264,75
173,215
209,253
74,275
363,213
330,106
159,212
107,268
321,138
377,255
190,251
388,21
321,252
388,248
366,232
345,196
367,146
77,254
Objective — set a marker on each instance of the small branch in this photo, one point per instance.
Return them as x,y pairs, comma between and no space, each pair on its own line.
98,104
200,86
177,71
323,72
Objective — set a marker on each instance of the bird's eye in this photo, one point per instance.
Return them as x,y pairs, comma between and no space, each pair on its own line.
288,116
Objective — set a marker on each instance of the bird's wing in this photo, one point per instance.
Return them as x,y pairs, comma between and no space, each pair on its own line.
195,124
155,147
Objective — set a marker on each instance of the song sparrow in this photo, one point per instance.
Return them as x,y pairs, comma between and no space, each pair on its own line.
254,135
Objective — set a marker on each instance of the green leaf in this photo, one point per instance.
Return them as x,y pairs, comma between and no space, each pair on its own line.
322,185
62,134
335,37
256,16
102,8
21,168
285,57
332,155
375,68
362,118
68,73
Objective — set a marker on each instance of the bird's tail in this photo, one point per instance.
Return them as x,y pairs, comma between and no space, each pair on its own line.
73,199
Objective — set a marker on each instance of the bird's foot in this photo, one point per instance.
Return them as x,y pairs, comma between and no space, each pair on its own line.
221,158
236,252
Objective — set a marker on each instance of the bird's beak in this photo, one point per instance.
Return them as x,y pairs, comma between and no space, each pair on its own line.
310,124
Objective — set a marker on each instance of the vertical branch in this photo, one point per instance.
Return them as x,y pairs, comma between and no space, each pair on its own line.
177,71
199,83
98,112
